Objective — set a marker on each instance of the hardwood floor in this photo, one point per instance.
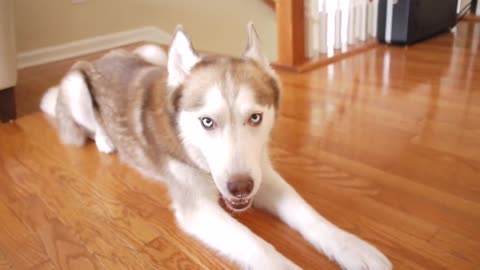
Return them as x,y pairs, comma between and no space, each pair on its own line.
385,144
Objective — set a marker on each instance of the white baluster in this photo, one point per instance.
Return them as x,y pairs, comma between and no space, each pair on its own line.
323,16
375,17
338,27
312,28
351,24
369,17
363,20
358,18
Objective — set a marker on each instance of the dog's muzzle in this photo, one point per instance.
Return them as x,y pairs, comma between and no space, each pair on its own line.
240,187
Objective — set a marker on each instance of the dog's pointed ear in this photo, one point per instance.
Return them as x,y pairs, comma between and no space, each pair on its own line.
254,50
181,58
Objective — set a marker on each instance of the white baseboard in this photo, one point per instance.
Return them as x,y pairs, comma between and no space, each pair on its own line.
90,45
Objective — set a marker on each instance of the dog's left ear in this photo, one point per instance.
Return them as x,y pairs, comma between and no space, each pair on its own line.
181,58
254,50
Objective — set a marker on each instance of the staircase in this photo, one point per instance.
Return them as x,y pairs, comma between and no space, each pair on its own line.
312,33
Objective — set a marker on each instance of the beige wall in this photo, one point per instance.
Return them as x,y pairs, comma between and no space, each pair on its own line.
214,25
8,70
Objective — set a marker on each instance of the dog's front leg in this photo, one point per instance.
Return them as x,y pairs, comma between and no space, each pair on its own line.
352,253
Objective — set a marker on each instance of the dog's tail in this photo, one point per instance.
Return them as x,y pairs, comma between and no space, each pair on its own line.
49,101
153,54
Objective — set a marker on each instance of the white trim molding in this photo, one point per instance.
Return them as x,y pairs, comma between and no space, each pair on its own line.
90,45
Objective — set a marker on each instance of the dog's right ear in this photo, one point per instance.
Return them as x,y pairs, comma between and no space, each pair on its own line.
254,50
181,58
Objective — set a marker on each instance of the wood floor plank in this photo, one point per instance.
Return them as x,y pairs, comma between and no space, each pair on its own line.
418,200
58,241
64,248
449,167
47,265
4,262
15,237
357,195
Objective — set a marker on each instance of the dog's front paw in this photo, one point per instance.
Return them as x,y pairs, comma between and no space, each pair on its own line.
273,260
352,253
280,264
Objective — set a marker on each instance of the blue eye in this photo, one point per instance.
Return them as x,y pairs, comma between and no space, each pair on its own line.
207,122
255,119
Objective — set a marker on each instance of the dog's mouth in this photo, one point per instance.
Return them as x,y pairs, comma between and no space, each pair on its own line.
238,205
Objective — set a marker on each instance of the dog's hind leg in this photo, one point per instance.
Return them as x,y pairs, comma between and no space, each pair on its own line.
278,197
195,202
77,97
70,131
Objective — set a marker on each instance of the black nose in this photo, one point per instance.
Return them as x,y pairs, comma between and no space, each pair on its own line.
240,186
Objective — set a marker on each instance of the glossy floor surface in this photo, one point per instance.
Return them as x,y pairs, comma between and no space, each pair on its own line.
385,144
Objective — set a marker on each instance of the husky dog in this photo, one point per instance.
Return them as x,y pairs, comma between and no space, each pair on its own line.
200,124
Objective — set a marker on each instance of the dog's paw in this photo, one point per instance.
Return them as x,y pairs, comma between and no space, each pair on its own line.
104,144
353,253
272,259
280,264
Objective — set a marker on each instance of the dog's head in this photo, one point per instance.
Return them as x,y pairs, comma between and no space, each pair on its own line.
225,110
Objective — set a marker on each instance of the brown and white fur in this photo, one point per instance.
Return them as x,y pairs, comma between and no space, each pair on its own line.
200,124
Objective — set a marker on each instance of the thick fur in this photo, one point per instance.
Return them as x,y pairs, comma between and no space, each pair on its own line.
49,101
151,112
